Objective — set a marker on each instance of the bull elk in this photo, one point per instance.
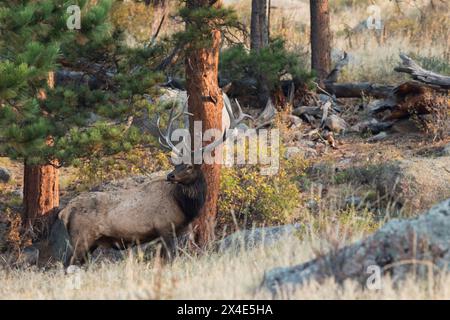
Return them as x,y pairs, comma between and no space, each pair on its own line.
160,208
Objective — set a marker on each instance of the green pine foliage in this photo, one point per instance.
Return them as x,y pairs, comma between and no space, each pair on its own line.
200,21
85,116
275,61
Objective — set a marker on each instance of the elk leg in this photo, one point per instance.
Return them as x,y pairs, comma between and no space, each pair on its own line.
168,251
82,246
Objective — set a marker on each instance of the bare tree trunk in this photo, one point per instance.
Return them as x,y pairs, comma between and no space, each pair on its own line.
40,191
40,185
259,40
320,38
205,102
259,25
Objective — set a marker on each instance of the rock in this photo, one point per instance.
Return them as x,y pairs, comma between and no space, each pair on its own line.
446,150
312,205
18,193
391,250
294,121
325,98
378,137
415,183
336,124
353,201
372,126
304,152
5,175
267,236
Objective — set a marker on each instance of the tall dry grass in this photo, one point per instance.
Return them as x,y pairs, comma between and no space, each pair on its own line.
229,274
412,27
210,276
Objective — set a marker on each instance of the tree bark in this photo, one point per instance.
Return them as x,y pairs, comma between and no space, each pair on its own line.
320,38
205,103
420,74
41,183
259,25
259,39
40,191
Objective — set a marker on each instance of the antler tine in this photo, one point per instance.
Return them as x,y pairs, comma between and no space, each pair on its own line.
233,124
164,139
241,114
186,114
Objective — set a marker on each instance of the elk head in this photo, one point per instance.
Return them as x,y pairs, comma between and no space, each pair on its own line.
185,174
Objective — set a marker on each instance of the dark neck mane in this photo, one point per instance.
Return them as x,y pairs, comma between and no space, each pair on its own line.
191,198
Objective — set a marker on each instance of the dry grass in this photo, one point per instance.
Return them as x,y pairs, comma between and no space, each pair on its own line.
239,275
209,276
412,27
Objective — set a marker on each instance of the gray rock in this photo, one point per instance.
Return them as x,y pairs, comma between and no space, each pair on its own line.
415,183
353,201
371,125
305,152
446,150
5,175
267,236
18,193
294,121
400,247
378,137
336,124
312,205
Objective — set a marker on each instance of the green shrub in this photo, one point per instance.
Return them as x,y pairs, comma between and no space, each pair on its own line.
247,197
273,62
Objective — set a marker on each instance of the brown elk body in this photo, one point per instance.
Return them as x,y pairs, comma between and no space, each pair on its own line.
159,208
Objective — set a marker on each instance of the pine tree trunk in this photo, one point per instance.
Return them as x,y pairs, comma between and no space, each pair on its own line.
205,102
320,38
40,192
259,25
41,184
259,39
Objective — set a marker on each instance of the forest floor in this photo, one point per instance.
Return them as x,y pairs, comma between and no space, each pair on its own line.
327,185
230,274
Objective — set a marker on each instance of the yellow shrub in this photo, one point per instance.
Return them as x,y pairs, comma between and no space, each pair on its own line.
247,197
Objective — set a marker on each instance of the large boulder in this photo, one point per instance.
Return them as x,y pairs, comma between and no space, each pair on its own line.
416,183
416,245
266,236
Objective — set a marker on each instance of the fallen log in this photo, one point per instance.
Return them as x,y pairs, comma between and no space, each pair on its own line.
357,90
422,75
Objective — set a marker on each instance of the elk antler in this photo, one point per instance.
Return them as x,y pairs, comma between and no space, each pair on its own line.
165,138
234,122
